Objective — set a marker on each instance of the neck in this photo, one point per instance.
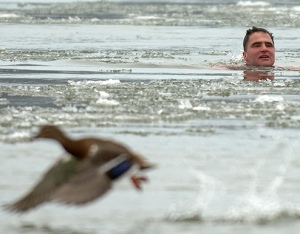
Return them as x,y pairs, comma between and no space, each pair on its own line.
74,148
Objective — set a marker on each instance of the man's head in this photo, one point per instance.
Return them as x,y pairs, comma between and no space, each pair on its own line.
259,47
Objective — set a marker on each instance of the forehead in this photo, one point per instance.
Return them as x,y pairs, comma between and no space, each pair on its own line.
259,37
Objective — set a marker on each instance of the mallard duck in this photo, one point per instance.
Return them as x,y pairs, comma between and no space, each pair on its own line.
86,171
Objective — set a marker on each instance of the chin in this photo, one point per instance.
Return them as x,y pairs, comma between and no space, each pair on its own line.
265,64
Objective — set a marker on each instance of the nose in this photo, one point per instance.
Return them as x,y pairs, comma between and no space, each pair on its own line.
264,47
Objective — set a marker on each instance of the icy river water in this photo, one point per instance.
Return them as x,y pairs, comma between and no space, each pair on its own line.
143,73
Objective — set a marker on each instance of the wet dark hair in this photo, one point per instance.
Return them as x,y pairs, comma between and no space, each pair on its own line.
254,30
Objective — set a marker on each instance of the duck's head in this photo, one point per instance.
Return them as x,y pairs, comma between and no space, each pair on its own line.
50,132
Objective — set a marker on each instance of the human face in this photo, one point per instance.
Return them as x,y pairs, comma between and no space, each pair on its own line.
260,50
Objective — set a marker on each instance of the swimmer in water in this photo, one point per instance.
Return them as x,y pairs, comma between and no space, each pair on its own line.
258,54
259,49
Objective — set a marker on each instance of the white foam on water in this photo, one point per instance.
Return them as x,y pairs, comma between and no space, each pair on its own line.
252,208
262,209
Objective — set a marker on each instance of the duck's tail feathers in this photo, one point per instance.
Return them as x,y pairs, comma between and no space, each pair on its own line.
142,162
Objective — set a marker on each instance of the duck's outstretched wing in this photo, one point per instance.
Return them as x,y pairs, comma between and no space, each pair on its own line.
92,180
87,184
54,178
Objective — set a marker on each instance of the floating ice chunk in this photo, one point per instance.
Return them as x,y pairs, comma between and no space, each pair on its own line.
160,111
280,107
296,8
106,102
267,98
201,108
3,101
70,109
110,81
16,137
75,19
250,3
9,15
147,17
185,104
279,84
91,82
104,94
296,117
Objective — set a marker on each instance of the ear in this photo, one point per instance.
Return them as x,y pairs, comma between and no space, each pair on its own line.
245,55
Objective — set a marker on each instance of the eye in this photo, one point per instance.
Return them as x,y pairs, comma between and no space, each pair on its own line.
256,45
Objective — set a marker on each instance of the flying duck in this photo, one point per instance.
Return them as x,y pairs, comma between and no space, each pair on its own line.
84,173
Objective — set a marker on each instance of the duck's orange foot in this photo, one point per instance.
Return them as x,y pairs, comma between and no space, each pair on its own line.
137,180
